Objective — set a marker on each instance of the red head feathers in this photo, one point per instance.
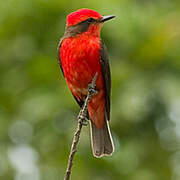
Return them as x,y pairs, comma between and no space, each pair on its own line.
81,15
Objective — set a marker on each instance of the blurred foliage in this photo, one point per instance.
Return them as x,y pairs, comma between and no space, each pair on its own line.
38,113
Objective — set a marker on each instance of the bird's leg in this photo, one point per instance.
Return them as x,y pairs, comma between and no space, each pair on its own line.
82,117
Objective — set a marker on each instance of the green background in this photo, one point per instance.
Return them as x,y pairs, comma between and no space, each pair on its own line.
38,113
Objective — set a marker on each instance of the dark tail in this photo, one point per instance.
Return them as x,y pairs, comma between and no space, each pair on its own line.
102,143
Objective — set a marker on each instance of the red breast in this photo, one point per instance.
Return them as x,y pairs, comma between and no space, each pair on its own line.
80,58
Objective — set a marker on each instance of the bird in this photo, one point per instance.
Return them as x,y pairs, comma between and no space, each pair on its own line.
82,54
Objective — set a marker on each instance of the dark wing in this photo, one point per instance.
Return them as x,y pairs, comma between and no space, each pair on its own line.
59,62
106,76
59,55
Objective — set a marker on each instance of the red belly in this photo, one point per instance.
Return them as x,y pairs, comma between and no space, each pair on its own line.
80,59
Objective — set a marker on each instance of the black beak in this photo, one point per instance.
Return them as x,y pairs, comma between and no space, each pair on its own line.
106,18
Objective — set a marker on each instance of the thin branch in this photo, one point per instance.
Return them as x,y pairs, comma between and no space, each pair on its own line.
82,120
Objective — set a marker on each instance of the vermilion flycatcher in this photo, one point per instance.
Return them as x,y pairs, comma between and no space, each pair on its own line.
82,54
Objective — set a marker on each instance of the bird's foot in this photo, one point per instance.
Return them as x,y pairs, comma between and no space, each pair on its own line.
92,86
84,121
82,118
91,89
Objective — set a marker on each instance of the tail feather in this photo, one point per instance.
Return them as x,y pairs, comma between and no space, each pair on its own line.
102,143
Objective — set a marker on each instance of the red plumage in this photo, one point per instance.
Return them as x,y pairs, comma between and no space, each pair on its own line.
80,59
81,15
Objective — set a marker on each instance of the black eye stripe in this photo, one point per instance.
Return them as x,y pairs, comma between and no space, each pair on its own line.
80,27
90,20
87,22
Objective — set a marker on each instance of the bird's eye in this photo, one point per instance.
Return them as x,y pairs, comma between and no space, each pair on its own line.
90,20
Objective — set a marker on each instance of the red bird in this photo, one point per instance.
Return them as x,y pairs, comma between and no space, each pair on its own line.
82,54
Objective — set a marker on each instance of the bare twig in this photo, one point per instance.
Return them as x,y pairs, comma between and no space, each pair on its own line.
82,120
